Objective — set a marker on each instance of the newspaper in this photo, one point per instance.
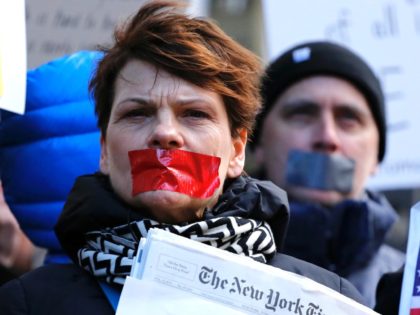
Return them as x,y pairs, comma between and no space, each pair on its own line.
175,275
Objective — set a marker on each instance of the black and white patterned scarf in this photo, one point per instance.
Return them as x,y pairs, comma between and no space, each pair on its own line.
109,253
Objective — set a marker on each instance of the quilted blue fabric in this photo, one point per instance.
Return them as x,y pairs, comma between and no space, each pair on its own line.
43,151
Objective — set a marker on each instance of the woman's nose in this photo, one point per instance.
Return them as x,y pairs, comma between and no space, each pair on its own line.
165,133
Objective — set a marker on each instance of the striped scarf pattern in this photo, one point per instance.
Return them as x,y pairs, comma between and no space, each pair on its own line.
109,253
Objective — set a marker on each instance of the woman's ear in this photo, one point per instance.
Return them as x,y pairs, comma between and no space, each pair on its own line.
103,162
237,160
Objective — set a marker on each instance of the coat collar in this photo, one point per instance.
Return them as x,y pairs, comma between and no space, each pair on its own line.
93,205
342,238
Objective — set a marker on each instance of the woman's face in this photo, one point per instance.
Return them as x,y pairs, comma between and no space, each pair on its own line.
154,109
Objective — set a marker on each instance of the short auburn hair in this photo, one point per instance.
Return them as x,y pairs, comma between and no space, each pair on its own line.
193,49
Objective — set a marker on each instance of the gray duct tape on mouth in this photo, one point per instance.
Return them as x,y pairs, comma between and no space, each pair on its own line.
320,171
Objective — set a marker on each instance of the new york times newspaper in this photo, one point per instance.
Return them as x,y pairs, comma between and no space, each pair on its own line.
175,275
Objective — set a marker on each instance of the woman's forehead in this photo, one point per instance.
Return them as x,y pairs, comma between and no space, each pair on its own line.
140,78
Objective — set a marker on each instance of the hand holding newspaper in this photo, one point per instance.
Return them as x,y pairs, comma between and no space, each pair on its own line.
175,275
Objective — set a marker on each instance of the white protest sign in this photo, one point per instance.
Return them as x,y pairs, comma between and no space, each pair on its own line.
410,291
56,28
386,33
60,27
12,56
179,267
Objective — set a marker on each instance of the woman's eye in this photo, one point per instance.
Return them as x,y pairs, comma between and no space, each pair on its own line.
196,113
137,113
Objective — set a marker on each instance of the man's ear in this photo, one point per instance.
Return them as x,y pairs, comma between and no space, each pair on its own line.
237,160
103,162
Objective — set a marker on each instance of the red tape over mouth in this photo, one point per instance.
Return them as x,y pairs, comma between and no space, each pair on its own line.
189,173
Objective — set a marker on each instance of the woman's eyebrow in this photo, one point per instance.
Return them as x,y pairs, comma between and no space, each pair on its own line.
189,101
139,100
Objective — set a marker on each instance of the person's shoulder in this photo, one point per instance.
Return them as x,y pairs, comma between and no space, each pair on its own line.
388,292
62,270
318,274
387,259
54,289
392,255
57,275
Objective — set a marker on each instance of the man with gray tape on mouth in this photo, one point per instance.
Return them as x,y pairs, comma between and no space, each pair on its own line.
321,134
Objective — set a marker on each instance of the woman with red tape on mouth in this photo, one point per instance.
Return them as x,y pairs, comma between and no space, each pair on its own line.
176,100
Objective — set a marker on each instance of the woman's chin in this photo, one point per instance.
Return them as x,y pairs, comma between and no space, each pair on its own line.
170,206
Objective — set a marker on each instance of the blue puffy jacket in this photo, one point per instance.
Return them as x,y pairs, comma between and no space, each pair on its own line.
43,151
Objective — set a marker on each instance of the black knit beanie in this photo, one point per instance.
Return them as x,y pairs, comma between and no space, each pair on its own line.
327,58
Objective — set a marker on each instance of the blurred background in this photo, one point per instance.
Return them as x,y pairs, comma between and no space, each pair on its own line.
385,32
